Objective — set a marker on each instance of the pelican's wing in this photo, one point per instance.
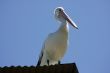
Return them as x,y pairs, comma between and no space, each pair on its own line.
41,55
40,58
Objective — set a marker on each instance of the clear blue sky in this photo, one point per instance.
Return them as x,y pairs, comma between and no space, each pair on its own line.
25,24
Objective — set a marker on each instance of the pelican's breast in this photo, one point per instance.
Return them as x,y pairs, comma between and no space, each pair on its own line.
56,45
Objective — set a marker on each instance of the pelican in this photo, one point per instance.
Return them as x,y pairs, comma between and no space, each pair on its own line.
56,43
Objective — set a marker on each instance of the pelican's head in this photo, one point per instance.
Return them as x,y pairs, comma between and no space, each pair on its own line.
63,17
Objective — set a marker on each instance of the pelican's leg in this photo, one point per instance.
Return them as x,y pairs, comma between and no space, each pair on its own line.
48,62
59,62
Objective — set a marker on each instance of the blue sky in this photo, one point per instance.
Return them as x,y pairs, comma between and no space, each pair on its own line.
25,24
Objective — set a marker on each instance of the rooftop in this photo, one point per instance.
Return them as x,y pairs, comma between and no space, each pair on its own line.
62,68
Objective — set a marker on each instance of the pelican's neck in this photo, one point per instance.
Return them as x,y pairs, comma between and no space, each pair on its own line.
64,27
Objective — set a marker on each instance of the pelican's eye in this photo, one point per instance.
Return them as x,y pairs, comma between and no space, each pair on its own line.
60,9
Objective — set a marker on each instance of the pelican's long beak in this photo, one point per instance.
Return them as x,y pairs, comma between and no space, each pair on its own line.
66,17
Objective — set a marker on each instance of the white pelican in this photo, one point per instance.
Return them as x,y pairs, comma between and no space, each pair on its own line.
56,43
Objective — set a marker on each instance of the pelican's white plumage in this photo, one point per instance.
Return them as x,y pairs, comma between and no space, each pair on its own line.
56,43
